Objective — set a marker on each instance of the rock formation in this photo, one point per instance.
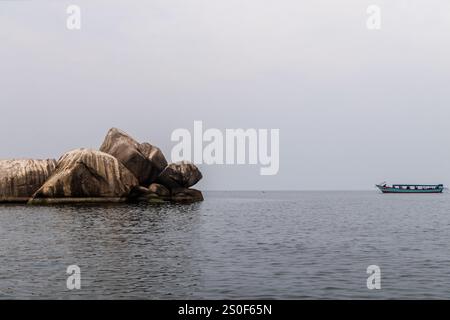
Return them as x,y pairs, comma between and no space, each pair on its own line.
123,170
19,179
85,175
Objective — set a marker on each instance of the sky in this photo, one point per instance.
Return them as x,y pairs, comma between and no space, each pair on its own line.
354,106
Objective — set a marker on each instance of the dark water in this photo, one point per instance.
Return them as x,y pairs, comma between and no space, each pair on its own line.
288,245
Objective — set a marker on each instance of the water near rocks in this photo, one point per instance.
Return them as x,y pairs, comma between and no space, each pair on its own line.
281,245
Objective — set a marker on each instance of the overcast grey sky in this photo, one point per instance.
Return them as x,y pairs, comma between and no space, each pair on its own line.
354,106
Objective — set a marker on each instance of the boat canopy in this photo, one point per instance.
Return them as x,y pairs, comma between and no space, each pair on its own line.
417,185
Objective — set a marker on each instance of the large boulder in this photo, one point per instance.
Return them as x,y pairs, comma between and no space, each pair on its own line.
86,175
144,160
19,179
180,175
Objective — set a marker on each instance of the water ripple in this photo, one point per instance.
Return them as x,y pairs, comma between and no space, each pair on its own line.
272,245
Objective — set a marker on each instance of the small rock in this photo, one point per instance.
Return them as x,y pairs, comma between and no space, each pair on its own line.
156,157
187,196
159,189
144,160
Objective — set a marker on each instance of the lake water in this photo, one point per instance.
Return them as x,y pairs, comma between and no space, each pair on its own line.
234,245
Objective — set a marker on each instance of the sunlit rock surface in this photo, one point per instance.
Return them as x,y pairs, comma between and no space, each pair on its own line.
86,175
19,179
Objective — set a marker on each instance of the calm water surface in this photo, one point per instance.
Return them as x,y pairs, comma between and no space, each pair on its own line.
246,245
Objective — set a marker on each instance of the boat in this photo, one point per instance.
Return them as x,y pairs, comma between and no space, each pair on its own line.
410,188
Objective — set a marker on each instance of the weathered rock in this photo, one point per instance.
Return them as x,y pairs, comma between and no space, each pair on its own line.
179,175
159,189
19,179
138,192
86,175
155,191
186,196
144,160
155,155
120,145
142,194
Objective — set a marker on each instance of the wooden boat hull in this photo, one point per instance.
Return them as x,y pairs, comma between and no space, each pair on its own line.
397,190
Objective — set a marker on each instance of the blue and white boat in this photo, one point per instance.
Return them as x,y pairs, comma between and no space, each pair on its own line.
410,188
